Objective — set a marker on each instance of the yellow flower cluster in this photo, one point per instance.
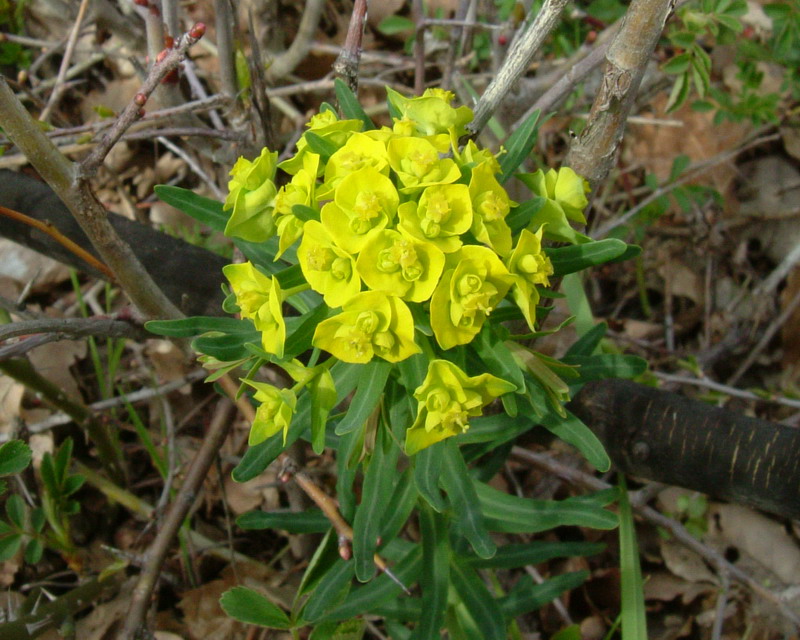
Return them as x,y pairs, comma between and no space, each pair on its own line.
388,221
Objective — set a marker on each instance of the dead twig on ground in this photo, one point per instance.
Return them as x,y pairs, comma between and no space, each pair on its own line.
157,553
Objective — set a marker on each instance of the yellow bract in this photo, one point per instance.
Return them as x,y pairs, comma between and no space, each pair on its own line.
251,196
447,398
530,266
370,324
259,298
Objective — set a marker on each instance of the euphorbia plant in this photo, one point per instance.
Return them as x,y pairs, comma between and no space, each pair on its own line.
393,264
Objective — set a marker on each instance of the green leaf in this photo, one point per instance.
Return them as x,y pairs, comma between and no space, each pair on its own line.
521,216
394,25
400,506
494,429
15,510
435,580
519,145
528,596
349,104
15,456
461,491
72,484
197,325
583,256
479,603
510,514
330,591
324,147
511,556
34,551
9,546
606,365
323,399
679,93
376,492
305,213
381,588
250,607
497,358
311,521
587,344
574,432
300,331
373,381
427,469
678,64
202,209
634,622
227,347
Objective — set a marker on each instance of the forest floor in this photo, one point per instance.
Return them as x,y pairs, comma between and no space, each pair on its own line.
712,304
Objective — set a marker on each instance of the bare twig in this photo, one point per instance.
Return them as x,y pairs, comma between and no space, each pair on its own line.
346,65
765,339
285,63
193,166
59,88
592,153
157,553
727,389
419,47
73,328
515,64
225,22
577,477
170,60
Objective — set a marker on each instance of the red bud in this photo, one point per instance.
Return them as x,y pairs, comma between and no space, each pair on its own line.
142,3
140,99
502,40
169,42
198,30
161,55
141,113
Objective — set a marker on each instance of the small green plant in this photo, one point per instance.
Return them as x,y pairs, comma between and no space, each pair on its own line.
46,526
397,287
12,20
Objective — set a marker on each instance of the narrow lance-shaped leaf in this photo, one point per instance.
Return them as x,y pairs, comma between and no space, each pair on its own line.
572,431
634,622
479,603
376,493
372,382
435,580
349,104
427,470
461,491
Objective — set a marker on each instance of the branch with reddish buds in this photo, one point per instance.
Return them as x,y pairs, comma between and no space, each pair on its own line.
167,61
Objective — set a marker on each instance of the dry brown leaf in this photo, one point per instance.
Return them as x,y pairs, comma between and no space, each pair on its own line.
684,562
246,496
665,587
656,146
757,536
168,361
53,361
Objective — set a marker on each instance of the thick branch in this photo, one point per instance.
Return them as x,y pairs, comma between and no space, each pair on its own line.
668,438
592,153
516,63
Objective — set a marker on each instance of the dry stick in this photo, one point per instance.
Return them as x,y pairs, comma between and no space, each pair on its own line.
55,234
73,328
727,389
593,152
577,477
419,47
515,64
225,48
285,63
762,344
59,88
455,39
193,166
157,553
346,65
